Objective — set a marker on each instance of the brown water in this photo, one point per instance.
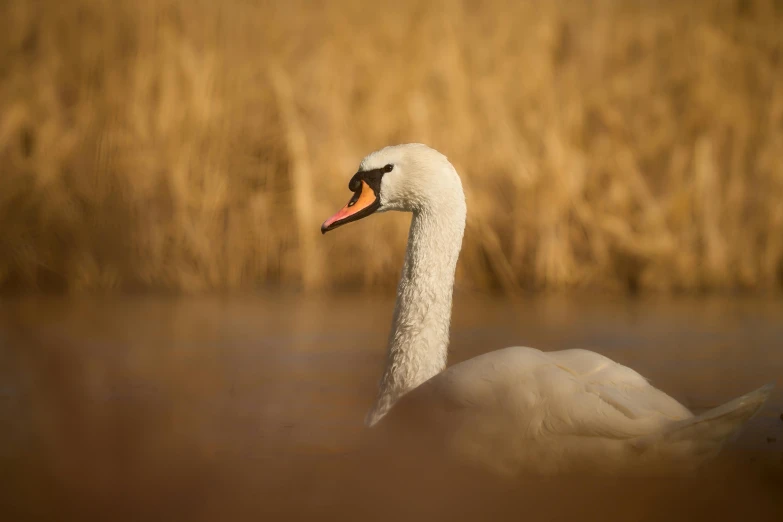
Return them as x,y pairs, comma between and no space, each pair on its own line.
252,408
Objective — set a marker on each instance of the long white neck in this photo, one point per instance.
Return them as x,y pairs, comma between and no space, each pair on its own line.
419,338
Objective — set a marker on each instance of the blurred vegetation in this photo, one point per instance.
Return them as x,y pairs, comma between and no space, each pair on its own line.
191,145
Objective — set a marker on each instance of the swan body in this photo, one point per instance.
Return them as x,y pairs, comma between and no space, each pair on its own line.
514,410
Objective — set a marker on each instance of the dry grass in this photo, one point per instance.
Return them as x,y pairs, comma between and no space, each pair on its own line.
195,145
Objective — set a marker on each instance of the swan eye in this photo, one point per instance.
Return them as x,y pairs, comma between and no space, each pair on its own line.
388,168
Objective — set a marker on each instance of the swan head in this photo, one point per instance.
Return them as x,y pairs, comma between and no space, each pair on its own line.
411,177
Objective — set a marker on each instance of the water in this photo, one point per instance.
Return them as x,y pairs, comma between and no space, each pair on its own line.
245,407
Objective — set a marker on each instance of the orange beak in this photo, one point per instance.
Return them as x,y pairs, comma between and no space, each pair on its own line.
363,203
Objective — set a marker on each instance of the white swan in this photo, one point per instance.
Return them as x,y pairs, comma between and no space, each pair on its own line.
517,409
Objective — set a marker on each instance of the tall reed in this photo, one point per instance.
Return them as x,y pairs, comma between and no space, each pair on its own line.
196,145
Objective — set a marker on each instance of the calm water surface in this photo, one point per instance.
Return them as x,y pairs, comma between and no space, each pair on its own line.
248,407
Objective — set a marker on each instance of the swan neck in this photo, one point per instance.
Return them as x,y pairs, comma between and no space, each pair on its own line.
419,337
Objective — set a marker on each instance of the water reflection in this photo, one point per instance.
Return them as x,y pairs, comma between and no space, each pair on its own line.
236,408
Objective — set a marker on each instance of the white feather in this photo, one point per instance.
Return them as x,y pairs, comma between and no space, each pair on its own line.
517,409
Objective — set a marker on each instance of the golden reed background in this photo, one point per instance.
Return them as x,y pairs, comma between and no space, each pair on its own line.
193,145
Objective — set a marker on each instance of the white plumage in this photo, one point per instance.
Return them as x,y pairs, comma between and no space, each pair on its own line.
517,409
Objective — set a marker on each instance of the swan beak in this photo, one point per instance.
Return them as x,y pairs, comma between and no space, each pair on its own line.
363,203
